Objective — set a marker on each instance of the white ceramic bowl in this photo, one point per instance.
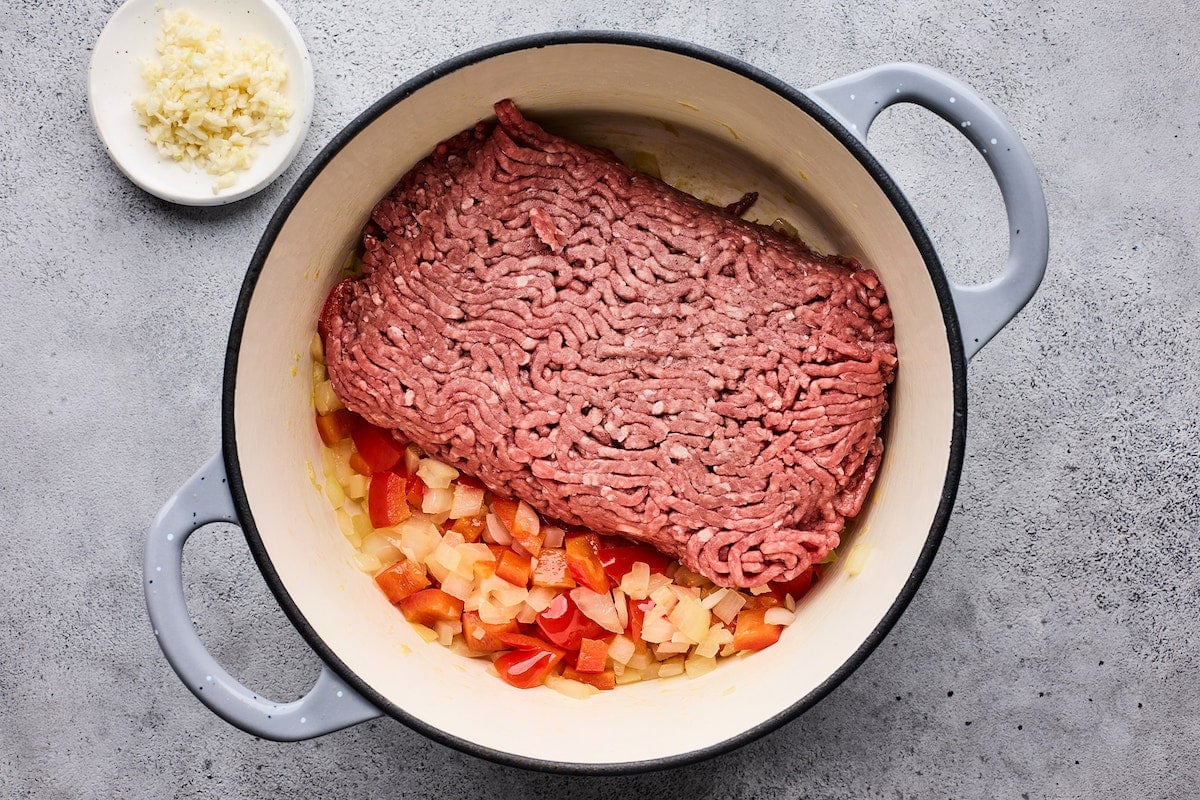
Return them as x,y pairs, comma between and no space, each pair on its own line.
718,128
114,82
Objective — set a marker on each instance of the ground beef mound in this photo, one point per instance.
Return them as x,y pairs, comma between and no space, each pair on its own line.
617,353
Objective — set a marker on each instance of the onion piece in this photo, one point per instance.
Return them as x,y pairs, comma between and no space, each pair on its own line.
458,586
527,615
468,501
714,598
729,606
691,619
696,665
717,637
597,607
496,614
621,649
436,474
636,582
622,607
426,633
671,667
367,563
496,533
446,631
316,348
575,689
380,547
325,399
437,501
642,657
412,459
540,597
778,616
553,536
629,676
657,581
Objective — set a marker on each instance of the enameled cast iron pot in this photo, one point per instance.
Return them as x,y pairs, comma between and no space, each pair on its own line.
718,128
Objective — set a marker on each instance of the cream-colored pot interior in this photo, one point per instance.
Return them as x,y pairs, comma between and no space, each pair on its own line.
716,134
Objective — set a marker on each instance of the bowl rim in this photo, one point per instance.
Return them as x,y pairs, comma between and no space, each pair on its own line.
855,147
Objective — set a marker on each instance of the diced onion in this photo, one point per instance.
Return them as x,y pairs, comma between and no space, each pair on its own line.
333,490
622,607
367,562
714,598
428,634
412,459
316,348
657,581
664,598
495,614
655,627
629,676
345,524
685,577
502,592
597,607
437,501
540,597
325,399
356,486
760,589
468,501
496,533
671,667
436,474
527,615
553,536
668,649
456,585
778,616
378,546
574,689
691,619
729,606
621,649
718,636
641,658
636,582
446,631
695,666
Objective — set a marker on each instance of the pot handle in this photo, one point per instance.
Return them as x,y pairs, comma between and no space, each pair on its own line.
856,100
330,704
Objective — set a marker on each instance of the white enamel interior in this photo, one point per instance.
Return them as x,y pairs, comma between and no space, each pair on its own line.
724,134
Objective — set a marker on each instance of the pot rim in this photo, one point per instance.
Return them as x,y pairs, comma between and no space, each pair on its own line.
856,148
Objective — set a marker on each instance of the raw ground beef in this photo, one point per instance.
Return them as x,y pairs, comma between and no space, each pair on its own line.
617,353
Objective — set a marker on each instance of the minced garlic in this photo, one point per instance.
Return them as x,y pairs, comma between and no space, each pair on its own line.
208,104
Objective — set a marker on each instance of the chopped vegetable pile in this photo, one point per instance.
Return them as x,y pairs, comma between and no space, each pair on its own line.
548,604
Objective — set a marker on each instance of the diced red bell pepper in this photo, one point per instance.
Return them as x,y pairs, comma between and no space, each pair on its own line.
797,587
583,564
335,426
471,528
618,561
523,641
563,624
637,614
359,464
378,448
483,637
551,570
431,605
514,567
415,491
526,669
402,579
751,632
385,500
593,653
605,679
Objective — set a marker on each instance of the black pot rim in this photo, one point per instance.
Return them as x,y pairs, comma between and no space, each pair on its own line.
852,145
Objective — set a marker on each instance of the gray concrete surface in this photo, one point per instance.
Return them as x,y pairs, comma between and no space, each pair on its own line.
1052,651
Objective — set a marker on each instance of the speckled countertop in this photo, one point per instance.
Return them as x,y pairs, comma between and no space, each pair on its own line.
1052,651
